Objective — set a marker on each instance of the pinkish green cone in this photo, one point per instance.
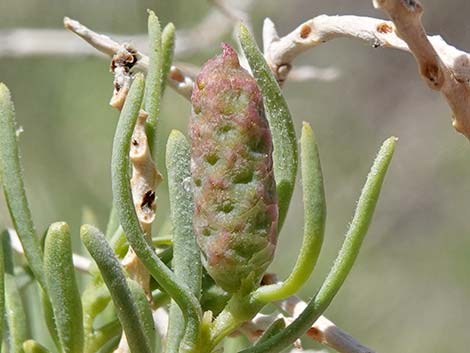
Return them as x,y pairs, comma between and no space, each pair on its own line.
235,216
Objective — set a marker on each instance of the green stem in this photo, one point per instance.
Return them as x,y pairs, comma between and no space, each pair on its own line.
186,255
238,310
344,261
314,222
125,206
280,123
13,186
62,287
115,280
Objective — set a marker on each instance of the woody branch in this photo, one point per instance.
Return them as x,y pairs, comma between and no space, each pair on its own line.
441,65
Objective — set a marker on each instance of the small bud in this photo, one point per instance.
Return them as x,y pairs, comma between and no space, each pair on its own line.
235,216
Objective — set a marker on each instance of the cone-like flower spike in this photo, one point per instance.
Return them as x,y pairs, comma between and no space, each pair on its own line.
235,216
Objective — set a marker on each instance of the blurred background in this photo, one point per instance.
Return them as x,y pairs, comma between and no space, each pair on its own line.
410,289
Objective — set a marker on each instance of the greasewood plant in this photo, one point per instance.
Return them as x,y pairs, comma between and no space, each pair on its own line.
230,187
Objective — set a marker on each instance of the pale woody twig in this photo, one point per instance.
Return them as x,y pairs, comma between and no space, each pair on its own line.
323,330
444,67
33,41
177,78
308,72
81,263
145,176
160,319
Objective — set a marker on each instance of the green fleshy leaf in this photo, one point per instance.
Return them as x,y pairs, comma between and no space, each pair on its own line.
153,87
95,299
102,336
115,280
314,222
273,329
31,346
344,261
49,318
128,218
145,311
13,186
168,49
63,289
285,156
113,223
16,317
186,255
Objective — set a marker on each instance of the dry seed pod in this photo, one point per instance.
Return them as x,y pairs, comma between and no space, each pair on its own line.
235,216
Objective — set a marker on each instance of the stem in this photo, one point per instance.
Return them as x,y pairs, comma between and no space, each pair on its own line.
186,255
238,310
314,223
344,261
128,218
280,123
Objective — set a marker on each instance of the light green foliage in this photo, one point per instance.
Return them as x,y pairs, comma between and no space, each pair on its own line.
114,278
15,317
62,287
186,256
168,49
314,218
144,309
128,218
345,260
13,186
153,87
273,329
280,122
